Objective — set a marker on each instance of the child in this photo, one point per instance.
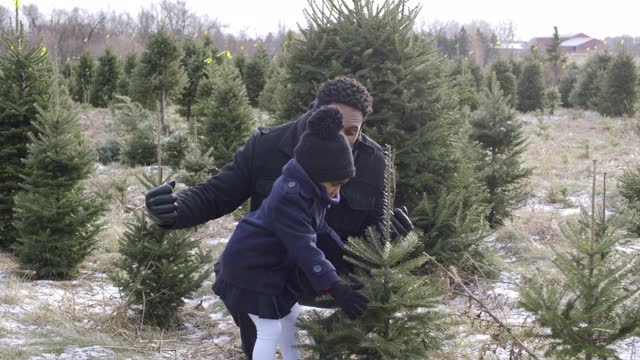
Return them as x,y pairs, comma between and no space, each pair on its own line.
270,242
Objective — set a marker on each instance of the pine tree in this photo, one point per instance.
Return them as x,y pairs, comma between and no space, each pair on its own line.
240,61
463,85
567,84
225,112
84,74
619,95
552,99
401,321
530,87
135,131
194,62
587,87
504,74
629,187
56,219
24,85
256,72
496,128
586,301
105,84
124,85
159,77
158,268
413,111
197,166
268,101
555,58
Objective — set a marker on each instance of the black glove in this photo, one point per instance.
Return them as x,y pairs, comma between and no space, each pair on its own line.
400,223
351,301
162,204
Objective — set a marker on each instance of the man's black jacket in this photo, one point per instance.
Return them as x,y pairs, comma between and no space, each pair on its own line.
257,165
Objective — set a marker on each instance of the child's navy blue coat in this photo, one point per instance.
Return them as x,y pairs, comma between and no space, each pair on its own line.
281,234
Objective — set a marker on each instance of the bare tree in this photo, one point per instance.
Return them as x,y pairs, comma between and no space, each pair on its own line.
33,16
506,31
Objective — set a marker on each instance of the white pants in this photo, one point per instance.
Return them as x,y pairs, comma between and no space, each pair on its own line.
281,332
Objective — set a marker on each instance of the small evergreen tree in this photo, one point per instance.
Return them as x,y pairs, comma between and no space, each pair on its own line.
134,128
463,86
496,128
56,219
240,61
256,72
194,62
629,187
555,58
587,87
504,74
225,112
197,166
619,92
530,87
124,85
552,99
401,322
105,84
159,76
158,268
84,74
268,101
567,84
24,85
586,302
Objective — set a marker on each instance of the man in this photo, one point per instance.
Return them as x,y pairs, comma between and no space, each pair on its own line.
259,162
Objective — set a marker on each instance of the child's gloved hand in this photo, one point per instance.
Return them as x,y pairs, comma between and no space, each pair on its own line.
351,301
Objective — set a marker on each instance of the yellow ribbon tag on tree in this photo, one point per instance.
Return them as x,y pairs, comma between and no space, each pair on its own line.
206,32
44,51
471,52
498,42
622,42
228,54
208,60
133,36
16,3
86,39
108,36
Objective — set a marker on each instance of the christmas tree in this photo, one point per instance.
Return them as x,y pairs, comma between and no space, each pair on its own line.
401,322
124,85
84,74
194,62
24,85
530,87
158,268
56,219
159,76
587,87
256,72
555,58
135,131
567,83
552,99
504,74
497,130
588,301
463,85
105,84
225,112
619,95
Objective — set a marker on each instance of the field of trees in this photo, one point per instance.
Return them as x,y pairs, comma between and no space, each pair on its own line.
520,172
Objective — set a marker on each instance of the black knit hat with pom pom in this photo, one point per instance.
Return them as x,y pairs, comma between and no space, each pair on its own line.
323,151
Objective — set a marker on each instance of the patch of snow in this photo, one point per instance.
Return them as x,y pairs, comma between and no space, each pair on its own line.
79,353
221,339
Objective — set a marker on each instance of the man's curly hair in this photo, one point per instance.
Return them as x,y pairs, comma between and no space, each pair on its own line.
344,90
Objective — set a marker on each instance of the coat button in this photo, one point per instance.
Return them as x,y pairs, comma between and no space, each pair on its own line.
292,184
317,268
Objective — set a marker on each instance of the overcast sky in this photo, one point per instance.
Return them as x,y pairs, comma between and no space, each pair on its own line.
532,18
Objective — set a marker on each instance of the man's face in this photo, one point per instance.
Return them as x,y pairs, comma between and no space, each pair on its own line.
352,120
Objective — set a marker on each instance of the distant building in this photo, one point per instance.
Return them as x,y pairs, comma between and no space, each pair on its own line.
569,43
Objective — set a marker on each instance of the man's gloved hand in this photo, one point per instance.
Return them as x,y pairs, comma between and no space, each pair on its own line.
351,301
400,223
162,204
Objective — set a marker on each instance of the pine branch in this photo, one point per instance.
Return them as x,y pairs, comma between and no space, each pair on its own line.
453,275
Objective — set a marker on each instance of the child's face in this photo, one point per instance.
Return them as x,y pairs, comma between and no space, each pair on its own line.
333,187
